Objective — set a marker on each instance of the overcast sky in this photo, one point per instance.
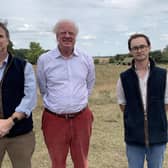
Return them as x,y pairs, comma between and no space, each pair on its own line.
104,25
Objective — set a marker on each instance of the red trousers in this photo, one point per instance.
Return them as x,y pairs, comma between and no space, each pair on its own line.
63,135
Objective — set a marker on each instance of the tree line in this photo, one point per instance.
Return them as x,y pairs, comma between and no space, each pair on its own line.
160,56
31,54
35,50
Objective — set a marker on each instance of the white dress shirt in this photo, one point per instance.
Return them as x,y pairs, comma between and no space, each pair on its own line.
65,83
143,88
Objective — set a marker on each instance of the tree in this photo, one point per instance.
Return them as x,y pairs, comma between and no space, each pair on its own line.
164,57
96,61
156,55
34,52
111,60
21,53
165,49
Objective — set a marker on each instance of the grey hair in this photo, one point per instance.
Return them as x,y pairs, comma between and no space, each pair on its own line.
60,22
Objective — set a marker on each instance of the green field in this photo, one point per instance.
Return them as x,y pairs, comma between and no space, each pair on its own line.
107,148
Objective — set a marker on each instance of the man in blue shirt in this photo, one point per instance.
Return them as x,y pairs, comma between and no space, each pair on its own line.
17,100
66,76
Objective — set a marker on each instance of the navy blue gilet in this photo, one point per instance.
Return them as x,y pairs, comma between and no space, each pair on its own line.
12,89
134,111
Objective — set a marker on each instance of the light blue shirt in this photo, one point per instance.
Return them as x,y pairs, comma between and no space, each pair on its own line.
65,83
28,102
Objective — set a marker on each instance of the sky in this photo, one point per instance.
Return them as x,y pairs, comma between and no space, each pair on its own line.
104,25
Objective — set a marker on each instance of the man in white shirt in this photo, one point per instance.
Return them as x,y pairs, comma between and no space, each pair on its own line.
142,93
66,77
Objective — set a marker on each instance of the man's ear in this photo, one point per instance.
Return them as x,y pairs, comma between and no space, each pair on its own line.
56,36
130,53
8,42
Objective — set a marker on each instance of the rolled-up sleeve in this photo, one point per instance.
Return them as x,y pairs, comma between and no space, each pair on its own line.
120,93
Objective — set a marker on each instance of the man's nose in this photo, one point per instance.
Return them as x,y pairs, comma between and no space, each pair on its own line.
67,34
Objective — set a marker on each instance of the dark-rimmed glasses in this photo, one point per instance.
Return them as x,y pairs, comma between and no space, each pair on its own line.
140,47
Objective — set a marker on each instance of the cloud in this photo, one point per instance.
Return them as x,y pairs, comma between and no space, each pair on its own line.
88,37
122,4
120,27
26,27
164,37
104,25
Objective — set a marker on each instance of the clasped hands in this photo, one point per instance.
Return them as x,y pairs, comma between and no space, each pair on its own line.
5,126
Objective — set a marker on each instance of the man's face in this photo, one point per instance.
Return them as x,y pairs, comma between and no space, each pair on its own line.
139,49
3,40
66,36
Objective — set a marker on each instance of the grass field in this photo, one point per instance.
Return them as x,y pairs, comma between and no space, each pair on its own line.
107,148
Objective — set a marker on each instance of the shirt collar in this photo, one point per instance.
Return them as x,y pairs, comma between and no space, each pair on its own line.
147,66
58,54
6,59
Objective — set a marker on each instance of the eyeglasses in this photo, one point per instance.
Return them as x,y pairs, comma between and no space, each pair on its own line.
140,47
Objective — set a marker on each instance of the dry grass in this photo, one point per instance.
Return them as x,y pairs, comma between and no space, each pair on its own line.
107,149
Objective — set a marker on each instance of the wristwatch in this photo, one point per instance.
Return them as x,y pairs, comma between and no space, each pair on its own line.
15,120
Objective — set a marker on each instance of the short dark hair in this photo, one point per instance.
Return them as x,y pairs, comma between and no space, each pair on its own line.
136,35
3,26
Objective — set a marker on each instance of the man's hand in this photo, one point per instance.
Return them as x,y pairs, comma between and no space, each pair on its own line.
166,107
122,107
5,126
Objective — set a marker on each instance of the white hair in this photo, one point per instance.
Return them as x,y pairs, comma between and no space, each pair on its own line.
60,22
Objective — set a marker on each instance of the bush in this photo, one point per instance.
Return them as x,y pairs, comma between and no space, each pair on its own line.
96,61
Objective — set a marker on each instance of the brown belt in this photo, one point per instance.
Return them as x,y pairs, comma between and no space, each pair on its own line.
66,116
